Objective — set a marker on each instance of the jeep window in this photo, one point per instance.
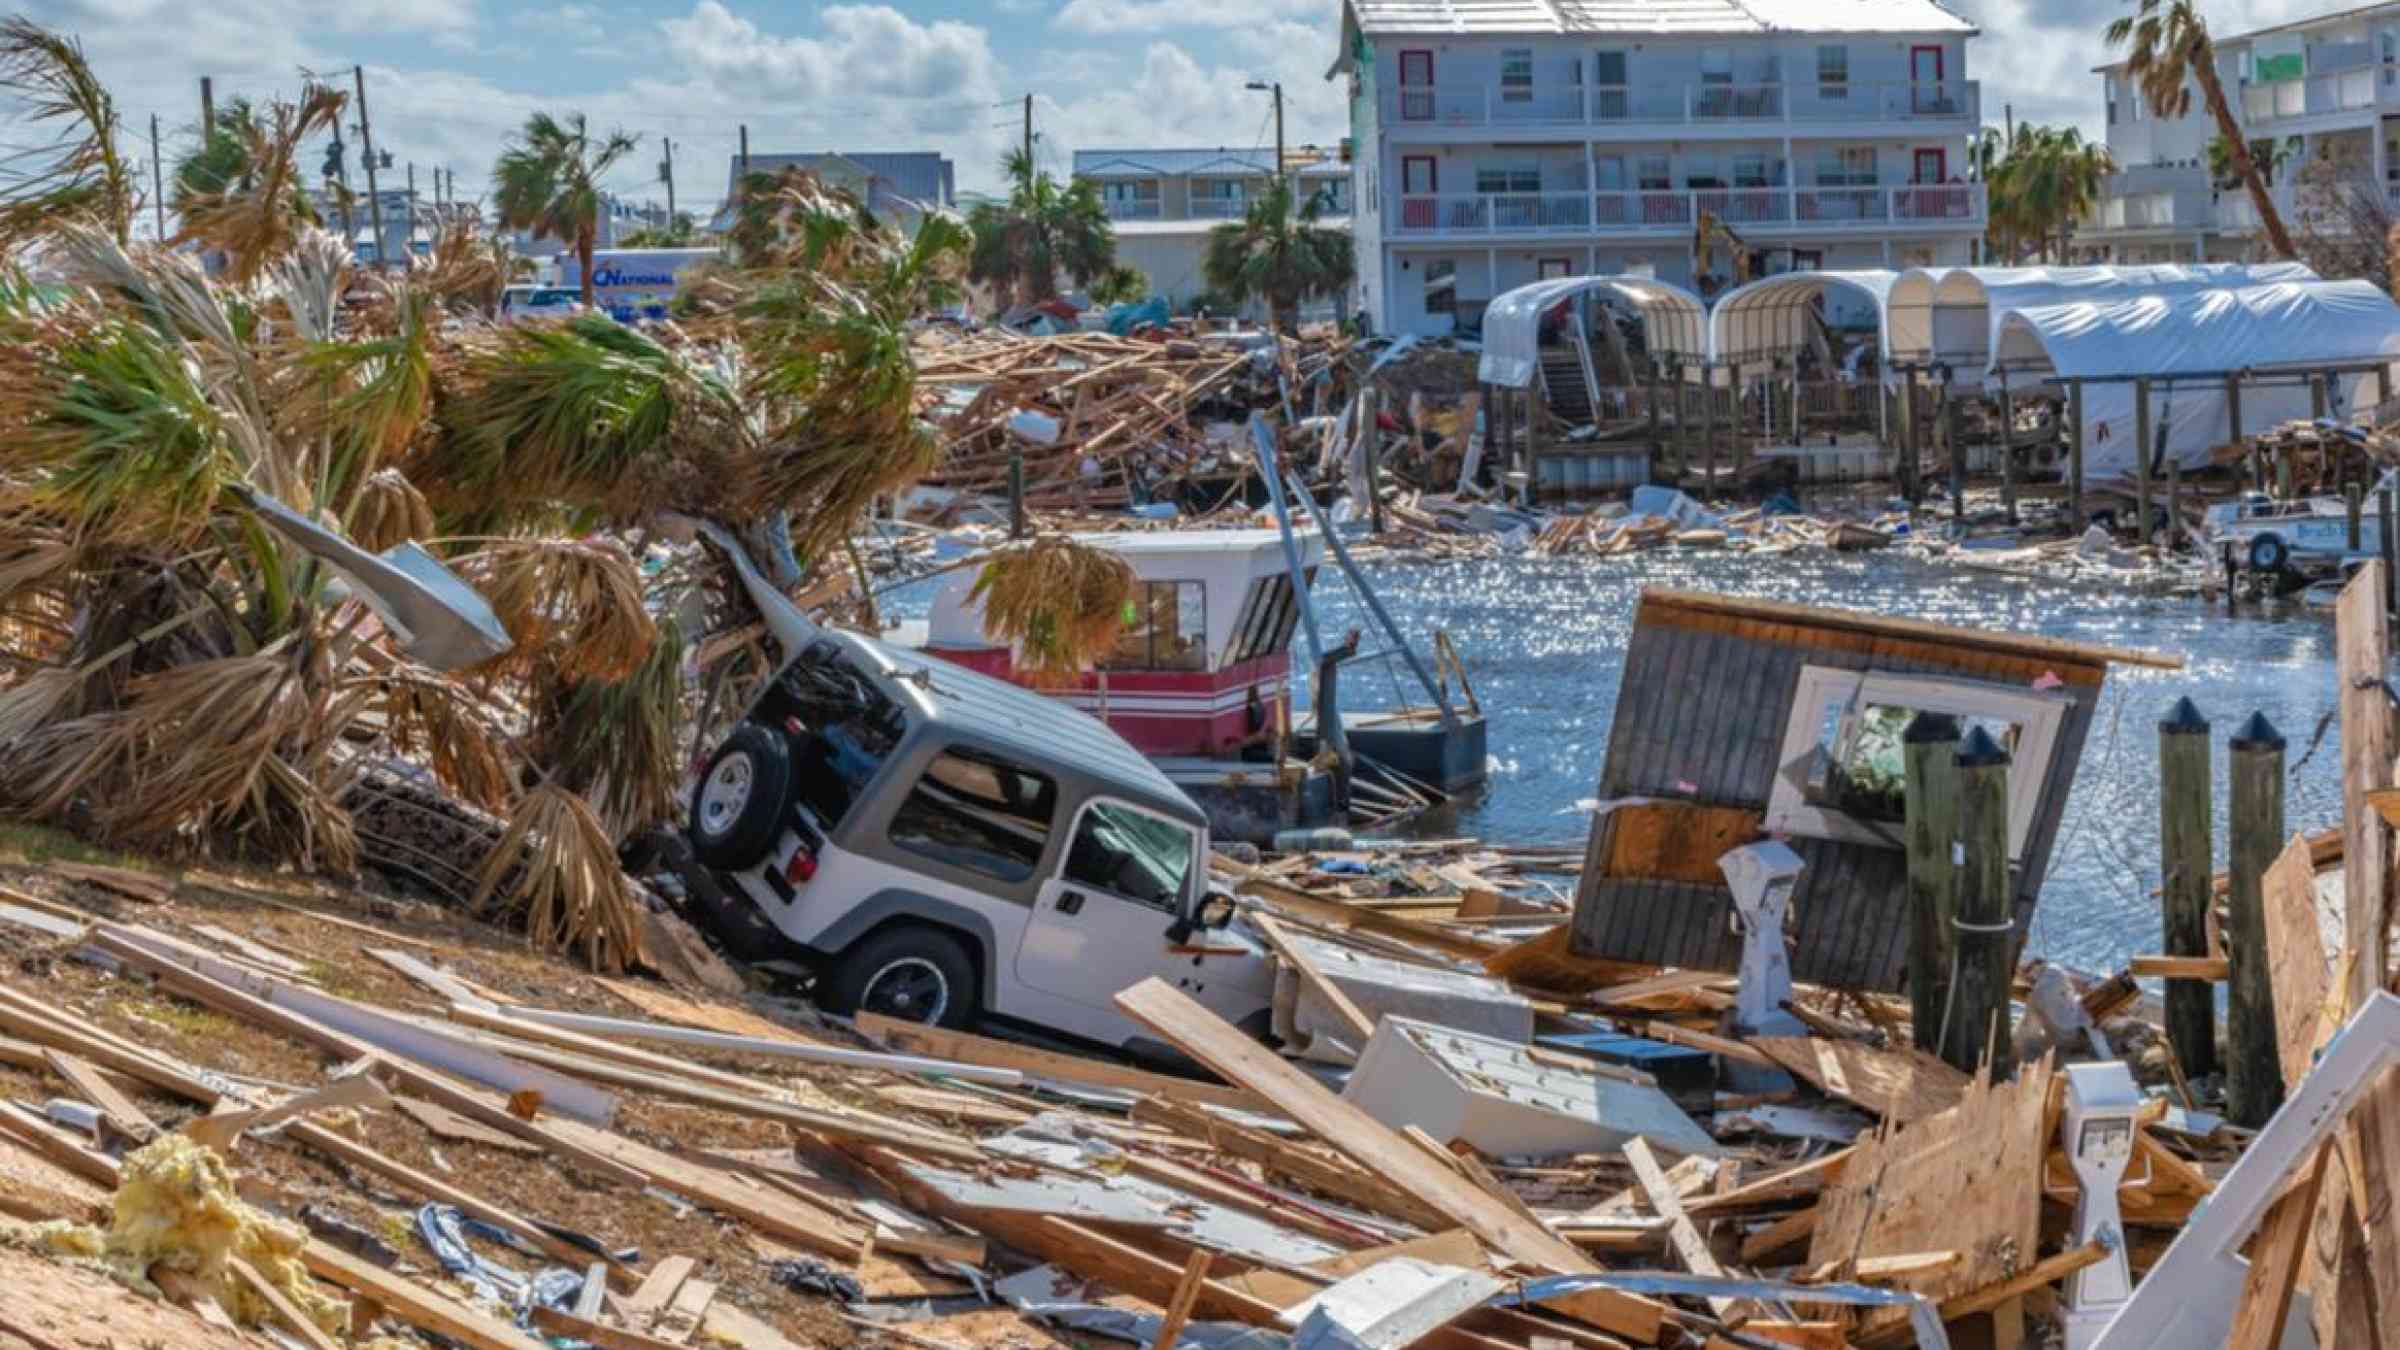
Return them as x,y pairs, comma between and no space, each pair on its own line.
842,728
1166,628
979,812
1133,854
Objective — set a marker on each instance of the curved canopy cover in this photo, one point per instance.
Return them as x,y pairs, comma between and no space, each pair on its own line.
1673,322
1953,314
2290,325
1769,317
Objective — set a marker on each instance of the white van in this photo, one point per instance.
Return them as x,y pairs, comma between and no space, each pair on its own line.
539,302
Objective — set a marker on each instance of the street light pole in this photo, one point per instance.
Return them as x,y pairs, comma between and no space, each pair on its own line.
1276,89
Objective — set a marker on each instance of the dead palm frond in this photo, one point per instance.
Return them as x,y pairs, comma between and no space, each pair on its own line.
616,741
557,867
1059,604
80,173
255,219
574,605
463,270
389,510
427,719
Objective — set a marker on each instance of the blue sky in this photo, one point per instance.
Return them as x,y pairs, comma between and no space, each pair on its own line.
449,79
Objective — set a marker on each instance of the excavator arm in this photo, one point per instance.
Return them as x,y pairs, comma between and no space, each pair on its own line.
1707,232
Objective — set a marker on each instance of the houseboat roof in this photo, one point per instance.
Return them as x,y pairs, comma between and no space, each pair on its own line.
1188,543
1917,630
1508,18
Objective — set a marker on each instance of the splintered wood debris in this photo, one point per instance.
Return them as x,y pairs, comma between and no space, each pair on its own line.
719,1190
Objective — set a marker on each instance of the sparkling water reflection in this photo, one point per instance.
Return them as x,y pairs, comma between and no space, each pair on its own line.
1544,642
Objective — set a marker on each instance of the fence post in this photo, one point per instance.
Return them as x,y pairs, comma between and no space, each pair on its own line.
1977,1021
2075,455
2141,463
1931,795
2186,861
2253,1069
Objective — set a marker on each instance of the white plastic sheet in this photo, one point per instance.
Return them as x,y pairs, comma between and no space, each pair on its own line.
2288,326
1953,313
1768,315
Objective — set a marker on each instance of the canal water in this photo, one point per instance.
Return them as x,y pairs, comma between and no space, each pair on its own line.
1544,642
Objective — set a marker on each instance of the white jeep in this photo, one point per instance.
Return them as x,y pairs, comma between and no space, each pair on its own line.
939,845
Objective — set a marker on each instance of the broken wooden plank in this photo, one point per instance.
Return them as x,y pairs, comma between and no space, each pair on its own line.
657,1290
2276,1252
1903,1084
576,1326
1775,1189
2150,967
1225,1050
287,1313
1360,1026
117,1111
1337,1177
1690,1248
357,1090
942,1043
929,1242
447,1124
1179,1307
414,1303
2048,1270
685,1311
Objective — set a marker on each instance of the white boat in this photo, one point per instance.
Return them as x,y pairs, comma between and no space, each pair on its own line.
2311,534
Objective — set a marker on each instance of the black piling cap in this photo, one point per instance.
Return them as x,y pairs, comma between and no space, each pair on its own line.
1931,728
2184,719
2258,734
1980,751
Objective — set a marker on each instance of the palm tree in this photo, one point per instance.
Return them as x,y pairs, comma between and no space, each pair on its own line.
2270,155
1282,257
676,233
1042,231
1122,284
2167,50
80,174
548,180
256,211
2048,179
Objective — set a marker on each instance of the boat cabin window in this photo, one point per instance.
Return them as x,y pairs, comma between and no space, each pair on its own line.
1269,614
979,812
1131,853
1166,628
1844,758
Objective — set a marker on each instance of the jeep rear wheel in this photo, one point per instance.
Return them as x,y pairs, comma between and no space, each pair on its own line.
912,974
738,804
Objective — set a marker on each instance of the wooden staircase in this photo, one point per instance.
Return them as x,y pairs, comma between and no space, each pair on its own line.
1570,399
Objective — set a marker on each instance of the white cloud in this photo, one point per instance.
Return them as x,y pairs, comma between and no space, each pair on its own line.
870,49
1148,16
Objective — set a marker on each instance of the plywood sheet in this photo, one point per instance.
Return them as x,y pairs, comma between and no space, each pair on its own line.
2295,958
1676,841
1901,1085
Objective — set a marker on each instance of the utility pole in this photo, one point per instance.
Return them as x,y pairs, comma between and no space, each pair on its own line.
158,183
1029,131
666,170
208,109
366,141
745,150
1276,89
412,207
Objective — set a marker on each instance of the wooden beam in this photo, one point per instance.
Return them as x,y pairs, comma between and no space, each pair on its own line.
939,1042
657,1290
413,1303
1774,1189
1217,1044
2048,1270
1360,1026
573,1327
1337,1177
1682,1234
2275,1257
116,1109
286,1312
2182,967
1179,1307
1701,1040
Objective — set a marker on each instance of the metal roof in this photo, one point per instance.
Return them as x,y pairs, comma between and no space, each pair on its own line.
1222,161
1496,18
1042,729
917,175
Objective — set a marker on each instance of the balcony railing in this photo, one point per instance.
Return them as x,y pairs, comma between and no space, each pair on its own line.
1705,104
1422,215
1144,208
1220,208
2140,211
2341,91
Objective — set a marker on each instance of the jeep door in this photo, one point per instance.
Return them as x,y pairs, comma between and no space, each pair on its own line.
1100,923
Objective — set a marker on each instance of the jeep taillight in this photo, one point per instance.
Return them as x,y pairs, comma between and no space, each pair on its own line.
801,868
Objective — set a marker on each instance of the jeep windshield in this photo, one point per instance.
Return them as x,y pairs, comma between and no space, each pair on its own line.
843,729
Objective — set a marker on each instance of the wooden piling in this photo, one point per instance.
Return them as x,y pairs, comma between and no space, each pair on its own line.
2233,429
1930,747
2354,499
2174,506
2075,455
1708,422
1977,1020
2141,462
2386,542
2253,1068
1658,447
1016,494
1371,454
2316,398
2187,861
1954,433
2008,452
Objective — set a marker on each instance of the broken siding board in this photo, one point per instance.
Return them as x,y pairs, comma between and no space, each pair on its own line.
2295,957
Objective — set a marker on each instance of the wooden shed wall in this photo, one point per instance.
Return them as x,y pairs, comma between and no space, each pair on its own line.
1701,717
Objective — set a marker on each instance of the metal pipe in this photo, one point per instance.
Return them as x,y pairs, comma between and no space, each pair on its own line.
1271,469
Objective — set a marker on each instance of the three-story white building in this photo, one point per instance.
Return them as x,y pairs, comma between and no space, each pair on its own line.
1496,142
2321,88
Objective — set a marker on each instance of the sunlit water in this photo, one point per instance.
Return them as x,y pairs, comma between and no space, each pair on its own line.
1544,642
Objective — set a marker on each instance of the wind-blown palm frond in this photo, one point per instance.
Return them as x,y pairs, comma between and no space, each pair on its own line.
256,218
2167,51
127,443
389,510
557,867
1044,231
614,742
573,604
1059,604
79,174
549,181
1283,257
425,717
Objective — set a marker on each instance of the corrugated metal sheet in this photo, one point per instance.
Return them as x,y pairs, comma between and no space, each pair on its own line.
1511,17
1185,163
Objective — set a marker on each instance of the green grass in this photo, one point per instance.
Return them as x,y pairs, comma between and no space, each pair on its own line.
22,842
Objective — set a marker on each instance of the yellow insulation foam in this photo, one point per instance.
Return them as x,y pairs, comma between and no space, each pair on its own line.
176,1208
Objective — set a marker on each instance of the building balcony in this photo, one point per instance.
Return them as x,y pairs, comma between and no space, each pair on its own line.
1139,209
2356,90
1438,106
1479,215
2136,211
2236,212
1220,208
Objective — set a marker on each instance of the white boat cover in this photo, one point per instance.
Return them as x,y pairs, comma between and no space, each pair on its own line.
1952,314
2282,326
1767,317
1674,322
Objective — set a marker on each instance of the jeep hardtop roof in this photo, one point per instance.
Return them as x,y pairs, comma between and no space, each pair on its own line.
1043,731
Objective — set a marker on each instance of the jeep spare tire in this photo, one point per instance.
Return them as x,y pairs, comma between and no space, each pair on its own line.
738,804
909,974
